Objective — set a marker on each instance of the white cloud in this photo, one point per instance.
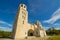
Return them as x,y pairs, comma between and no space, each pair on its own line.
5,23
5,28
46,28
57,24
57,28
55,16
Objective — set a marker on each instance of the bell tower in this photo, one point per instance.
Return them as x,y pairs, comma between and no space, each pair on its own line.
20,21
22,10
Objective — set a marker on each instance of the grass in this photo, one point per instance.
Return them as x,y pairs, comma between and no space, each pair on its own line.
56,37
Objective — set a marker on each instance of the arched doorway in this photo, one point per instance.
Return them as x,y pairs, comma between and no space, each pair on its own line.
30,32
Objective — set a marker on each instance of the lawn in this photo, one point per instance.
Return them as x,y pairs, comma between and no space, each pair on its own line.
57,37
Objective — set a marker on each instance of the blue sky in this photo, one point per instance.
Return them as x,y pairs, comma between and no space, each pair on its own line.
46,11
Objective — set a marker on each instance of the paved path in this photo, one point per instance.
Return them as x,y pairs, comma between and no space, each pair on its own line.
38,38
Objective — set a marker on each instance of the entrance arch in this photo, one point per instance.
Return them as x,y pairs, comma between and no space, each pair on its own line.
30,32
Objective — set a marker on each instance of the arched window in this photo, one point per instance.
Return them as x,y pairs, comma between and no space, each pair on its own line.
21,5
23,22
24,6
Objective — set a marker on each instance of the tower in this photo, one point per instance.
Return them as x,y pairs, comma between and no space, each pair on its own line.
20,22
22,28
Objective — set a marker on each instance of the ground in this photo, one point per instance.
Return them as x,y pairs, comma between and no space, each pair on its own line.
38,38
56,37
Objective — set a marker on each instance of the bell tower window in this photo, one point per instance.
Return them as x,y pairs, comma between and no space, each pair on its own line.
24,6
21,5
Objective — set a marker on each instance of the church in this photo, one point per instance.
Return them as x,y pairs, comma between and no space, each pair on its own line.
23,29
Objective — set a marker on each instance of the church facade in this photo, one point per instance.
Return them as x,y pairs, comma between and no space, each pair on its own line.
22,29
